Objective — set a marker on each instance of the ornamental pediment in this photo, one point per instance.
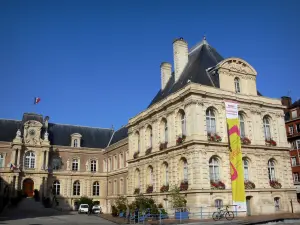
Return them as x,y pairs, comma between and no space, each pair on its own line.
237,65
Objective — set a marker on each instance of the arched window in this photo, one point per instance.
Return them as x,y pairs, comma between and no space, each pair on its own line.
166,173
93,165
237,85
29,160
150,175
138,140
56,187
150,136
210,121
76,188
242,125
75,143
246,169
75,165
121,160
137,179
115,187
271,169
1,161
184,167
214,172
96,188
166,131
218,203
267,128
277,203
182,122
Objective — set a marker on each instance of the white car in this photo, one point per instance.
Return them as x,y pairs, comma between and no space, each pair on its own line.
96,209
83,208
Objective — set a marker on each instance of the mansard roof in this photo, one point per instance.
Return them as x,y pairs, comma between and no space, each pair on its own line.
59,134
202,58
119,135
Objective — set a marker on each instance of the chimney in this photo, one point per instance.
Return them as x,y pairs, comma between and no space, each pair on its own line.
165,70
286,101
181,55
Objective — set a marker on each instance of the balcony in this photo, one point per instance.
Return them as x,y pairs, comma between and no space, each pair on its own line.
293,134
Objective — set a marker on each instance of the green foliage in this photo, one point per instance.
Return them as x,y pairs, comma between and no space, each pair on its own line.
177,199
114,211
85,200
120,204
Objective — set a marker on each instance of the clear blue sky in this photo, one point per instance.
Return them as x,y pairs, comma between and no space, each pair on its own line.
96,63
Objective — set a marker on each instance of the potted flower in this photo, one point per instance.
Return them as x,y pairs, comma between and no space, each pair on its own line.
184,185
275,184
163,145
245,141
148,151
213,137
149,189
270,142
136,191
219,185
164,188
135,155
249,184
180,139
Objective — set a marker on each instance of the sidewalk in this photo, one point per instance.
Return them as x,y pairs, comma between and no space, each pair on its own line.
236,221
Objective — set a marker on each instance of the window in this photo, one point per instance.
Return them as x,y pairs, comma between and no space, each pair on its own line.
296,177
166,166
166,131
76,188
183,123
75,165
293,161
29,160
1,161
298,144
56,188
210,121
115,187
96,188
138,142
267,129
277,203
137,179
214,169
294,114
93,165
185,170
287,116
242,125
271,169
115,162
237,85
291,130
298,128
56,163
150,136
121,160
75,143
150,171
218,203
110,164
246,169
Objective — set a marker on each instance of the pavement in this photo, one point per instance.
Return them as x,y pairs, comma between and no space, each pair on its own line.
29,212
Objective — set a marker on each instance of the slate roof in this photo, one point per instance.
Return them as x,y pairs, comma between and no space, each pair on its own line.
119,135
202,58
295,104
59,134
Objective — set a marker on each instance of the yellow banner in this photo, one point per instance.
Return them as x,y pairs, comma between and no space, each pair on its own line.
235,156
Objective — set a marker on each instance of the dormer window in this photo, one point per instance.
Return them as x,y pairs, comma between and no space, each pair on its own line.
237,85
75,140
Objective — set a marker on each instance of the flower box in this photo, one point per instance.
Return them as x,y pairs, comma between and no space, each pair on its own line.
184,185
149,189
270,142
148,151
135,155
275,184
249,184
245,141
213,137
180,139
181,215
219,185
163,146
136,191
164,188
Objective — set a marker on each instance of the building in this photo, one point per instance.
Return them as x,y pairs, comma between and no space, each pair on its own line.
180,139
292,123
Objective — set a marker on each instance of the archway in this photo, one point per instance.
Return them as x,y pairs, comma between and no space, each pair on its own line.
28,186
248,204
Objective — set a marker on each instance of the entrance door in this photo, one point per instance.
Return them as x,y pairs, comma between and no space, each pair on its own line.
28,187
248,201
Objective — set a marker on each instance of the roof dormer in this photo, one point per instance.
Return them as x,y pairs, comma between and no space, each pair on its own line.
76,140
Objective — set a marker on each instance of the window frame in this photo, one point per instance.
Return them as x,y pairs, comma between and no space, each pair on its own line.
237,85
267,127
76,188
214,169
211,127
96,188
93,165
29,160
75,165
56,187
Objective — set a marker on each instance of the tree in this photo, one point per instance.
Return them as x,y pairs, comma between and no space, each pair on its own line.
178,201
85,200
121,204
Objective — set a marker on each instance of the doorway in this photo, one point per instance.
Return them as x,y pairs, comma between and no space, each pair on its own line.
248,205
28,186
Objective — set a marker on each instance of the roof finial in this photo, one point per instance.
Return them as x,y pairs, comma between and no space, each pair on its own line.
204,37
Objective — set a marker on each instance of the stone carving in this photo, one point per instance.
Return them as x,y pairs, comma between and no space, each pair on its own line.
18,134
237,66
46,136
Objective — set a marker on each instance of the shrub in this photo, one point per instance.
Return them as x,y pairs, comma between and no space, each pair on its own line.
85,200
120,204
177,199
114,211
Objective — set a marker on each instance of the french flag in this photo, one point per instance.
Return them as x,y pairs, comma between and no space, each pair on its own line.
12,166
37,100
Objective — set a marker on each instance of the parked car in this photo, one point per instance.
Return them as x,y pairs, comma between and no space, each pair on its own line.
97,209
83,208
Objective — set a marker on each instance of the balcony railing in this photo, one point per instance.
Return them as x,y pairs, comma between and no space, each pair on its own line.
293,134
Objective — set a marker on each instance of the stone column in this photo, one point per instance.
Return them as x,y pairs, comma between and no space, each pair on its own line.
47,160
13,156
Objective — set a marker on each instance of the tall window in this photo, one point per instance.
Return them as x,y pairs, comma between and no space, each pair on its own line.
115,162
1,161
138,141
115,187
150,169
109,164
121,160
137,179
237,85
271,169
166,131
293,160
56,187
210,121
56,163
242,125
296,177
93,165
214,169
75,165
75,143
166,174
76,188
218,203
246,169
267,128
29,160
96,188
291,130
149,136
183,123
185,170
297,144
